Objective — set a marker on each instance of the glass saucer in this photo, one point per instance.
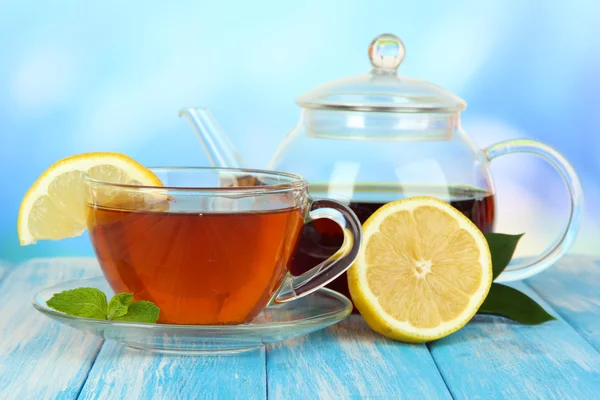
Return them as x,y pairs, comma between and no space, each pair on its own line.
275,324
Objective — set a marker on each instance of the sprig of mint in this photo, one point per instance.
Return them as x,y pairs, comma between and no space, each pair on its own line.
91,303
504,300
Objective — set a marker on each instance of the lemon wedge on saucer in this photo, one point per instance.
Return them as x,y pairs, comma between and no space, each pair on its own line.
54,207
423,271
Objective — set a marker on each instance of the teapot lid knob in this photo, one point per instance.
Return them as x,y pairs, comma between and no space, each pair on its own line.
382,89
386,52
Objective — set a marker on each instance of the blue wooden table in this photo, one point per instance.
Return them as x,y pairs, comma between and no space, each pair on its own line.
491,358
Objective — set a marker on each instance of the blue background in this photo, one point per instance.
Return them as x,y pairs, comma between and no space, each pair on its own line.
111,76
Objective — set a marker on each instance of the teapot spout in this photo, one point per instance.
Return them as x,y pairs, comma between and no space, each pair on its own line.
217,145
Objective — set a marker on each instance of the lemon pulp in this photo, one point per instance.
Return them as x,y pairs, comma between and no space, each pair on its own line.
54,206
423,271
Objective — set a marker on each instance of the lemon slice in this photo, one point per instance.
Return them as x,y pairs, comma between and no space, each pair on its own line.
54,207
423,271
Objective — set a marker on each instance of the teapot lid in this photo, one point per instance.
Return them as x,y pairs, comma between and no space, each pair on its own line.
382,89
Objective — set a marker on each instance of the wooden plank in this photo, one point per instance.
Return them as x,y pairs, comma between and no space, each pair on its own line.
494,358
123,373
5,268
572,288
40,358
349,360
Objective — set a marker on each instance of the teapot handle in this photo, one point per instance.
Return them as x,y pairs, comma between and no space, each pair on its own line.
524,268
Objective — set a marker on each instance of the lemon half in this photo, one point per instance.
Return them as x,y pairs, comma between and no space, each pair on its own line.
54,207
423,271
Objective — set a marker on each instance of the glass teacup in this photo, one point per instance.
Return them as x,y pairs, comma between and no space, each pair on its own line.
213,245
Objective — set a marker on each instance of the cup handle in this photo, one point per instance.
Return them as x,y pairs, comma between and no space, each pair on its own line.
295,287
524,268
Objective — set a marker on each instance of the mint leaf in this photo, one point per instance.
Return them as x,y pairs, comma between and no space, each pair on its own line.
140,311
82,302
502,247
118,305
91,303
510,303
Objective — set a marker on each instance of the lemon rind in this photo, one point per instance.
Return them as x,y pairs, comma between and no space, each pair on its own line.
81,162
368,304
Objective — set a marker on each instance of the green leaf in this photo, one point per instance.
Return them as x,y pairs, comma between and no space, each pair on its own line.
510,303
118,305
81,302
502,248
141,311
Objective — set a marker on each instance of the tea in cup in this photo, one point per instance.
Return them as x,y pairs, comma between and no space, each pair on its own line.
212,246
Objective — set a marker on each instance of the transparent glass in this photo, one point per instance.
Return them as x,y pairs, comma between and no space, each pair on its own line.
369,139
366,159
212,246
276,323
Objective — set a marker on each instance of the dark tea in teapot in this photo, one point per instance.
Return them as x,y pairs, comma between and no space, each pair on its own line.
322,238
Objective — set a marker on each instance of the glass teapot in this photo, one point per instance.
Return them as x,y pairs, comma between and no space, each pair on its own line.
370,139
